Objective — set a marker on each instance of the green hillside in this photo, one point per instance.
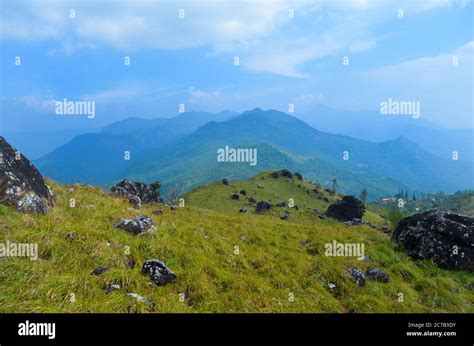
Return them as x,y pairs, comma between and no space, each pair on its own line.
225,261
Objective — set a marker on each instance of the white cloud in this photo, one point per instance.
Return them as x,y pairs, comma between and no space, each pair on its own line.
260,32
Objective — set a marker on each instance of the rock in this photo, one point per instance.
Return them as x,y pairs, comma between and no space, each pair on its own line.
331,285
445,238
243,210
225,181
174,207
235,196
21,185
137,225
298,176
111,287
158,272
243,192
141,299
262,206
285,217
281,204
347,209
283,173
137,202
376,275
357,275
251,200
130,189
365,259
157,212
100,270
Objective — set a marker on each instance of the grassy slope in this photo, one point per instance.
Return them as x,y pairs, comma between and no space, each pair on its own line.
197,242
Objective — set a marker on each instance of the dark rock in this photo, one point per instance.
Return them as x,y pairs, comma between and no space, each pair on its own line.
281,204
298,176
286,173
235,196
174,207
100,270
251,200
158,272
347,209
243,210
285,217
243,192
21,185
157,212
137,225
275,175
445,238
225,181
131,189
376,275
262,206
357,275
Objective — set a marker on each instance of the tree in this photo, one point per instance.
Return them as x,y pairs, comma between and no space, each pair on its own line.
363,195
406,195
156,186
335,185
414,197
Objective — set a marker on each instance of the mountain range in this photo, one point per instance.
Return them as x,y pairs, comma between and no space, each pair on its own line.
181,153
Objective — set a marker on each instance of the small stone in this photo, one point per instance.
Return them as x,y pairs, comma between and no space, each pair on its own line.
111,287
331,285
100,270
243,210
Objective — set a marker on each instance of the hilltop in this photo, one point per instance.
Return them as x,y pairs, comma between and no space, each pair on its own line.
224,260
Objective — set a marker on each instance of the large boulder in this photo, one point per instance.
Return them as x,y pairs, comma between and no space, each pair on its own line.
445,238
21,185
347,209
135,191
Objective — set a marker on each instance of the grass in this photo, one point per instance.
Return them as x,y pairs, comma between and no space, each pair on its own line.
225,261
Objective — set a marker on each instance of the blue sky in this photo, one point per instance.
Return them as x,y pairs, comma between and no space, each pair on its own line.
190,60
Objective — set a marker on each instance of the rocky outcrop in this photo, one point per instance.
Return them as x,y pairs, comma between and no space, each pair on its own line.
21,185
347,209
158,272
137,225
135,192
445,238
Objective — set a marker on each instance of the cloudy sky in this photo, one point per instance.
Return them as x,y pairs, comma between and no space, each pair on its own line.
289,52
